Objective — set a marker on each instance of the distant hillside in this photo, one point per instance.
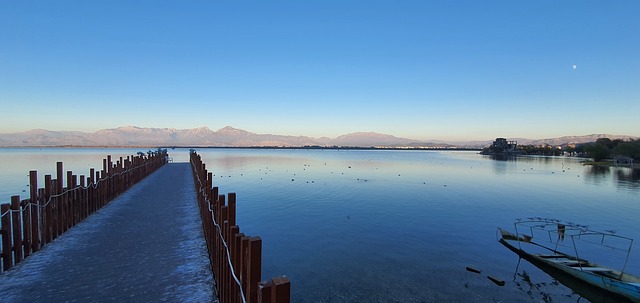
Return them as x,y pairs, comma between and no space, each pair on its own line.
370,139
575,139
137,136
233,137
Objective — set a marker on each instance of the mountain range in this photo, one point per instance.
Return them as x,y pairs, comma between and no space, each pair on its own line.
133,136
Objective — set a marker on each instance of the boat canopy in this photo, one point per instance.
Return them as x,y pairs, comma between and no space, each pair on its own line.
555,232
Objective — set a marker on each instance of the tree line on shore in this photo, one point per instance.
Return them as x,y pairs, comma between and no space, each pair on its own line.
602,149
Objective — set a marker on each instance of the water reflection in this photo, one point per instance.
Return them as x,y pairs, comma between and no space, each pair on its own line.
628,178
596,174
503,157
622,177
544,290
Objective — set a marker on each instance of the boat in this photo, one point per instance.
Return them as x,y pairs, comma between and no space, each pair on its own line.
545,243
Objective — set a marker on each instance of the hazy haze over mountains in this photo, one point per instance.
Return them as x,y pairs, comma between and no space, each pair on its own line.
233,137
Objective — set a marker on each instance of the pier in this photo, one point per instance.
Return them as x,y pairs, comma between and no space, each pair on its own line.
139,230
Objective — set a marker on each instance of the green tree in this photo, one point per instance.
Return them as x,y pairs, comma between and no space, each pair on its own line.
597,151
629,149
606,142
569,150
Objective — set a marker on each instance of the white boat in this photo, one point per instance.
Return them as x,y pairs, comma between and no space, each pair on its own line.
544,243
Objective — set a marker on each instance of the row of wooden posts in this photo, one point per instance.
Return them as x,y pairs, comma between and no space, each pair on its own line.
235,258
28,225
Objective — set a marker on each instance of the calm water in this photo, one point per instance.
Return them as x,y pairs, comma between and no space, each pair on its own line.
15,164
393,226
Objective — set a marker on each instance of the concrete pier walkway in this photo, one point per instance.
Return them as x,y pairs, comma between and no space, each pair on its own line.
145,246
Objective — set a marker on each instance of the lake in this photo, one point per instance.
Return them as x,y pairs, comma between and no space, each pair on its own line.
388,225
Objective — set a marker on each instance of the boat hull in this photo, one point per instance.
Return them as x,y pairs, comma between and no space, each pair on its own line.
630,291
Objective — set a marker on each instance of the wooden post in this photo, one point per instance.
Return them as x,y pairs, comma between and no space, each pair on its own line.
222,266
102,188
35,211
244,258
103,184
219,238
69,201
82,200
55,209
265,290
7,255
212,233
59,200
109,166
232,209
238,255
75,195
42,224
282,291
276,290
25,216
214,197
222,256
254,266
91,182
48,210
16,215
231,241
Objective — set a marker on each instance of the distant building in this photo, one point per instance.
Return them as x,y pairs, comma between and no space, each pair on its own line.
501,146
622,160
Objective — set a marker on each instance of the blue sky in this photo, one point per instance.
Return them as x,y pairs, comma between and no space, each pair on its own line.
452,70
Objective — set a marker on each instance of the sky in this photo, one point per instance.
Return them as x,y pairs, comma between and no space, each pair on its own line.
449,70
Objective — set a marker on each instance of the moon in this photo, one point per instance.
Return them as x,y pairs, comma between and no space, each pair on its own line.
574,66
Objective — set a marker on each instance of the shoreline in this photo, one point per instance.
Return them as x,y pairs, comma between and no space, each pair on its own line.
260,147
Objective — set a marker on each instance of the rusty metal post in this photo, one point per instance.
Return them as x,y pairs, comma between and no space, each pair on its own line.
231,241
254,266
82,200
282,291
244,260
219,239
91,183
42,224
59,199
265,292
232,209
16,216
7,253
48,210
224,226
25,216
226,274
35,211
69,201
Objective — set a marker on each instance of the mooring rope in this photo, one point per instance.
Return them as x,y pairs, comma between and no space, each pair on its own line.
204,194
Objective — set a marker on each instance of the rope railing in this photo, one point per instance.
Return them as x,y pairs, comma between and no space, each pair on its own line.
235,258
28,225
202,192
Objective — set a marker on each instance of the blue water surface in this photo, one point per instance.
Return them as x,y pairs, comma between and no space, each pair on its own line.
394,226
401,226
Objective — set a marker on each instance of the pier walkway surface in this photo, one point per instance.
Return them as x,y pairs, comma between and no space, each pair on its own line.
146,245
